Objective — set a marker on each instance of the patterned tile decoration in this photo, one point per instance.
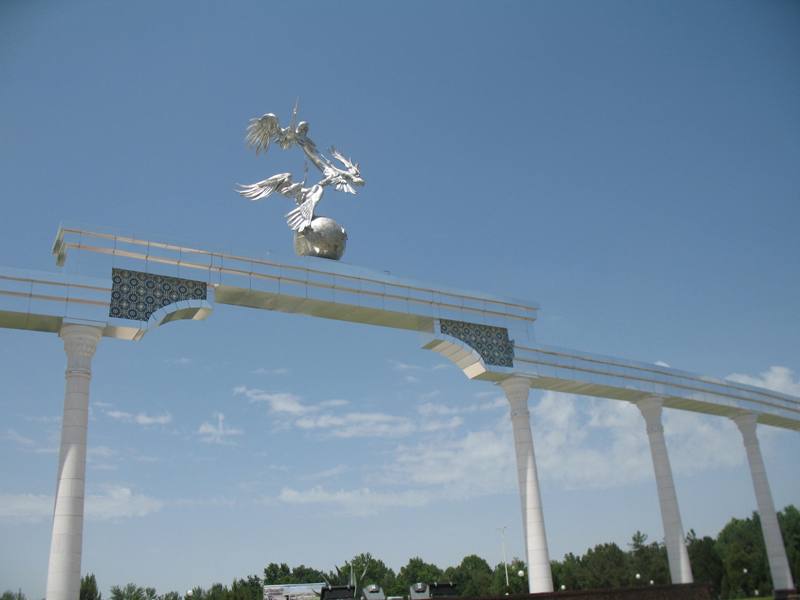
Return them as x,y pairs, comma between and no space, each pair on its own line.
136,295
490,342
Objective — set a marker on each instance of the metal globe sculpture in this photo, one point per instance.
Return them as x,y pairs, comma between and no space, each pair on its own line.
314,236
323,238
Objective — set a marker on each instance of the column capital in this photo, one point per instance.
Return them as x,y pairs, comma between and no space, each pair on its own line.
517,390
651,409
746,422
80,343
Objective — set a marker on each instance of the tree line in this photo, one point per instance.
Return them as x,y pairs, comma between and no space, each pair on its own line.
734,565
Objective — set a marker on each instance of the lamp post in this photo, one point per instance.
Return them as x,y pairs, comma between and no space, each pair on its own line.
502,531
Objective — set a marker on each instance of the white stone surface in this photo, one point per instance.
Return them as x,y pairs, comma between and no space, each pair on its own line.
680,570
540,578
64,567
773,541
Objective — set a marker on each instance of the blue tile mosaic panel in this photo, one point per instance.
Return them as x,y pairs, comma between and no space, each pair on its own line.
136,295
490,342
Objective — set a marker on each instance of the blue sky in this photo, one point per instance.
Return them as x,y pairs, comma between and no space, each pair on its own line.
632,166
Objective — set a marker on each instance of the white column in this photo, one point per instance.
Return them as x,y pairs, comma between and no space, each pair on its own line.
680,571
64,568
773,541
540,578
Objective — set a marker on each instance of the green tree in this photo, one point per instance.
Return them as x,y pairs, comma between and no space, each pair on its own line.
741,548
170,596
217,592
304,574
516,584
473,576
605,566
569,572
9,595
247,589
366,570
648,560
417,570
129,592
706,564
789,520
89,588
275,573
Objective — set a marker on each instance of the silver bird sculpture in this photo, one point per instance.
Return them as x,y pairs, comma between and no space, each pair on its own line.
263,131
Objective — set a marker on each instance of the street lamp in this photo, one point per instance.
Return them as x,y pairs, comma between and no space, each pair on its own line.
502,531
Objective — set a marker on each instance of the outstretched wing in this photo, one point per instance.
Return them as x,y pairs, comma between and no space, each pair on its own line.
301,217
281,183
262,131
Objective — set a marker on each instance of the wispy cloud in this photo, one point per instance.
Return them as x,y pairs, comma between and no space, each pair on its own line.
219,433
20,440
359,502
182,361
140,418
45,418
27,444
776,378
327,473
358,424
112,502
661,363
477,463
431,425
427,409
265,371
278,402
404,366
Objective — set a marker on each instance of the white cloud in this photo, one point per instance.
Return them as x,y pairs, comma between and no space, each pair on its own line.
182,361
279,402
776,378
219,433
593,443
263,371
140,418
427,409
48,419
328,473
113,502
356,424
26,444
434,425
478,463
661,363
402,366
333,403
95,452
359,502
18,439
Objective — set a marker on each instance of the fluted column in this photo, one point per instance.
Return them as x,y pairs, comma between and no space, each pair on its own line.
680,570
64,567
540,578
773,540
